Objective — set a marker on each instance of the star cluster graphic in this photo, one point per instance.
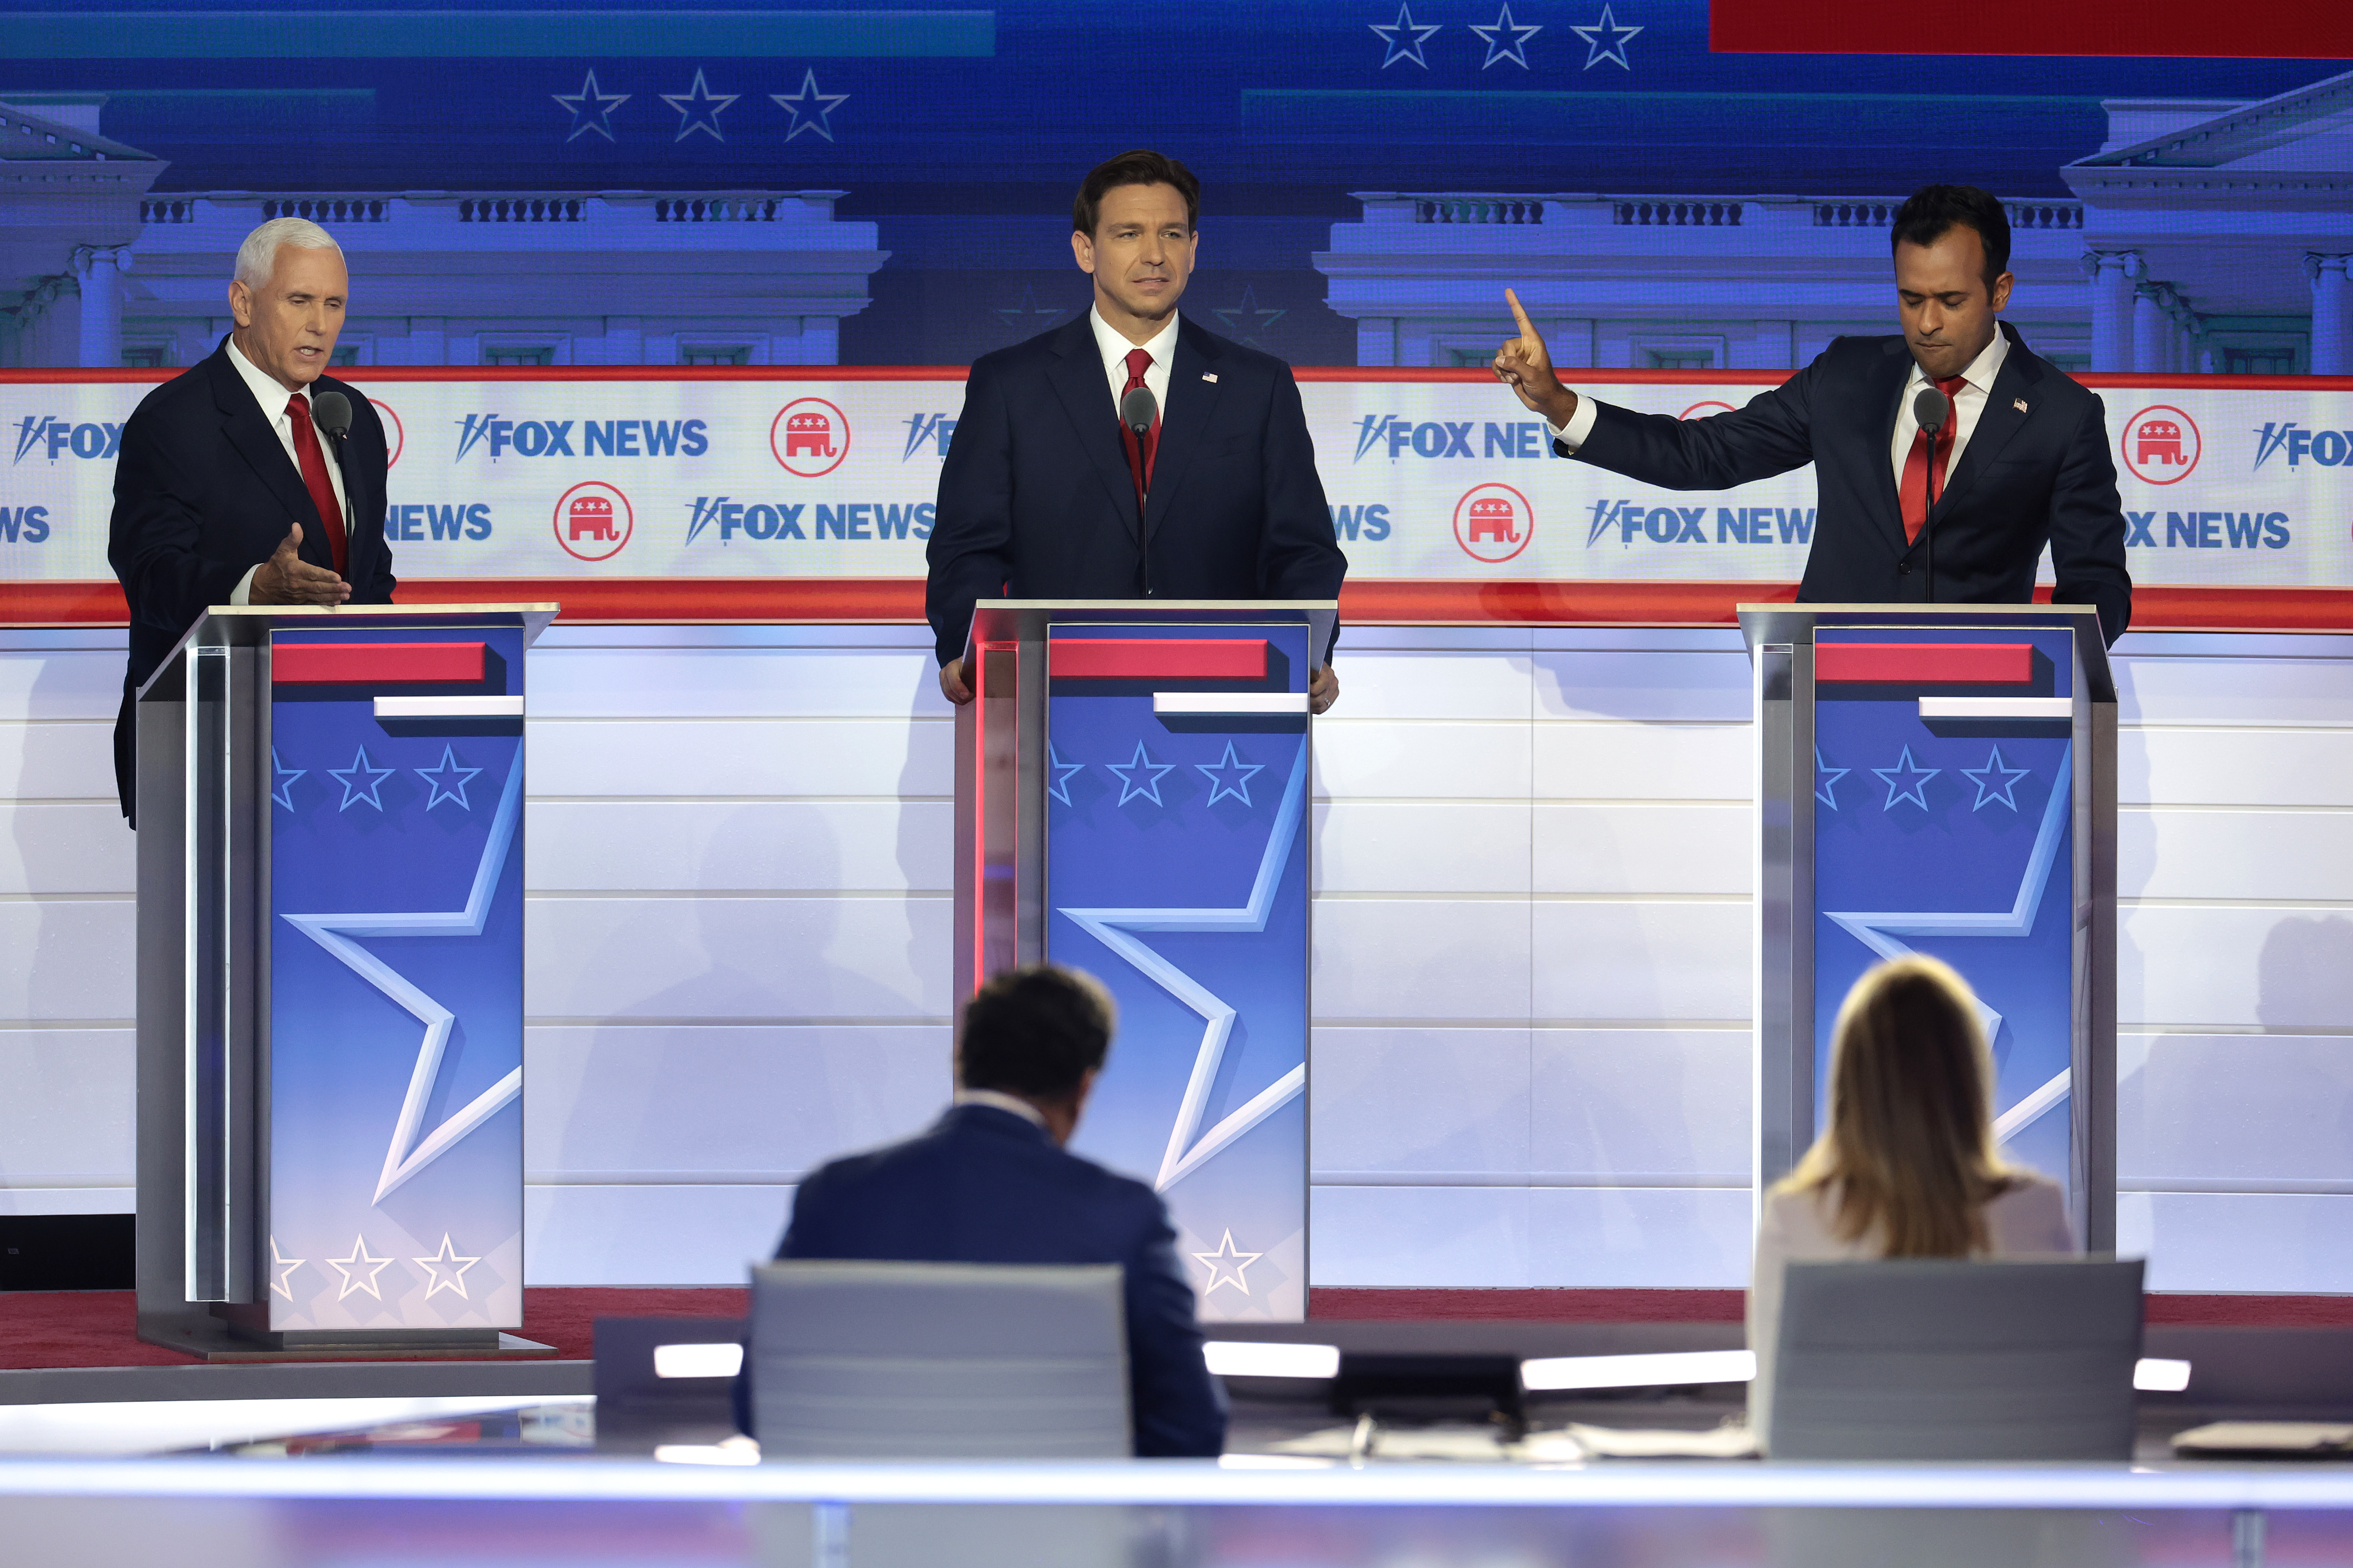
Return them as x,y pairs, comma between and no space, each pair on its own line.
700,110
1407,41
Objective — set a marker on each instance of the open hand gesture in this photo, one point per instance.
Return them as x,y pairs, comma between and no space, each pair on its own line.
287,579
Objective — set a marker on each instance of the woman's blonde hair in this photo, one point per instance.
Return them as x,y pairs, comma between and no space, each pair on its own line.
1910,1150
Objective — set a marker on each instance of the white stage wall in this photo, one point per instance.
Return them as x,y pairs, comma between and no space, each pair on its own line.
1531,948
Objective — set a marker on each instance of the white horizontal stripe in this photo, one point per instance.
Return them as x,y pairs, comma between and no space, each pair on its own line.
1656,1371
1249,1358
2155,1374
449,707
723,1360
1997,708
1212,702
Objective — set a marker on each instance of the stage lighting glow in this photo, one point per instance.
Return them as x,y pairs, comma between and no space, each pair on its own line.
698,1360
1665,1368
1249,1358
2155,1374
737,1450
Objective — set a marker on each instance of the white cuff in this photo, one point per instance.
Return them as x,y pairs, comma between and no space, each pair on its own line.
243,593
1579,429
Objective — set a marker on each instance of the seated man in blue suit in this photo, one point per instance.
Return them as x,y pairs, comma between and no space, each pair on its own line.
990,1182
1045,495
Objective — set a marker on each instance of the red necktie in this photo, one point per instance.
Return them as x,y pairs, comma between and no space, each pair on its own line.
314,480
1916,463
1139,463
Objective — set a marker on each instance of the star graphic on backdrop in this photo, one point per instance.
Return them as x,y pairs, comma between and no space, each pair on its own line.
361,782
1995,781
1907,779
1246,321
411,1148
446,1269
809,108
284,1267
698,108
1129,787
1188,1147
1606,40
1021,318
1826,778
1059,788
1236,786
353,1267
282,791
1508,39
1226,1266
445,785
1403,37
591,109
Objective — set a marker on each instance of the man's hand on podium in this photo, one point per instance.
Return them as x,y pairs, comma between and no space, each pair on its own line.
1524,365
287,579
952,683
1323,690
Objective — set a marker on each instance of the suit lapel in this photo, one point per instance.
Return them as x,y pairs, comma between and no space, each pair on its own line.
1887,394
249,432
1191,402
1078,377
2006,409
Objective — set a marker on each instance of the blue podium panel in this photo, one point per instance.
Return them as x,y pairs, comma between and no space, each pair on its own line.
1176,871
1943,823
393,1157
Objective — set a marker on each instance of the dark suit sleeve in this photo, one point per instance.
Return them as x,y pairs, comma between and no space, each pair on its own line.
1179,1409
971,551
2087,527
151,539
1771,435
1299,555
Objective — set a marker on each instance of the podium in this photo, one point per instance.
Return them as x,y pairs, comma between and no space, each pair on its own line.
1131,800
1942,779
330,955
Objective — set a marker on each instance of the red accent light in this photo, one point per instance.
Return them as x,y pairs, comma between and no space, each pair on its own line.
375,663
1930,663
1156,659
2151,28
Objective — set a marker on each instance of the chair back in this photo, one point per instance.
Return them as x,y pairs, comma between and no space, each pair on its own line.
1939,1359
859,1360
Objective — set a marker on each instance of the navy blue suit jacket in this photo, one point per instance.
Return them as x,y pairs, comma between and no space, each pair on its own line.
983,1185
1035,493
2036,470
204,493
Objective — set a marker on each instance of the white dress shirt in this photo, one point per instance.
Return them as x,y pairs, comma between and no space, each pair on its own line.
2028,1221
272,398
1115,348
1967,404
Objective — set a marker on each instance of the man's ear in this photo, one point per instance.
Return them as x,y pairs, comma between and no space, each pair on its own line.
1082,250
2001,289
240,302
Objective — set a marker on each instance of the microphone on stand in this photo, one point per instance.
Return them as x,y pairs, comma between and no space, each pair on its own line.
1931,408
1137,410
332,412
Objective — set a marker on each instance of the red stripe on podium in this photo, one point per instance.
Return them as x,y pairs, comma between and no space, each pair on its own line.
1931,663
1157,659
375,663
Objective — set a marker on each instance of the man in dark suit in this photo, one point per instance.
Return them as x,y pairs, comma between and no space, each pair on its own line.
990,1182
1902,518
225,492
1039,495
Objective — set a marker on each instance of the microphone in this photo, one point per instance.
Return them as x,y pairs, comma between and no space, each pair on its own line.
332,412
1136,411
1931,408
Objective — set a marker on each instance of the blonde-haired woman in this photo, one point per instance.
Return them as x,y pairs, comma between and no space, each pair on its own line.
1908,1167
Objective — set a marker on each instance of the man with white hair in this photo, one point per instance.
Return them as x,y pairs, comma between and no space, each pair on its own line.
226,489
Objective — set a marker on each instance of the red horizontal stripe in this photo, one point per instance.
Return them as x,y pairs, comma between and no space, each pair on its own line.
1932,663
1439,1304
2173,29
1156,659
375,663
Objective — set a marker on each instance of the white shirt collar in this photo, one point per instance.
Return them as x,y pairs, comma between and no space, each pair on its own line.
1115,347
1981,369
262,385
992,1099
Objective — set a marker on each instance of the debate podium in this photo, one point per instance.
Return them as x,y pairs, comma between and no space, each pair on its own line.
1942,779
330,983
1133,800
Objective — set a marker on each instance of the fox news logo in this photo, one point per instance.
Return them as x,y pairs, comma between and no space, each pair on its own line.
2328,449
419,524
2211,531
802,519
1632,520
932,430
24,524
598,437
1388,434
47,436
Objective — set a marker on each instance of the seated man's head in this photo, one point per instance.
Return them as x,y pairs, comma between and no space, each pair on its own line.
1040,1035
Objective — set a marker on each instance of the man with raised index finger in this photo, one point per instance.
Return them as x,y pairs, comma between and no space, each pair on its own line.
227,491
1959,514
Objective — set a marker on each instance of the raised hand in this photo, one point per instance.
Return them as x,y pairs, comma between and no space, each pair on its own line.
287,579
1524,365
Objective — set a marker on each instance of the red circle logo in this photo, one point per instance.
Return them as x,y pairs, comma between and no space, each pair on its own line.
810,437
1493,522
1706,407
2160,445
395,437
593,521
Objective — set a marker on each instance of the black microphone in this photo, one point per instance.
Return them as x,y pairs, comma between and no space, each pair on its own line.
1931,408
332,412
1136,411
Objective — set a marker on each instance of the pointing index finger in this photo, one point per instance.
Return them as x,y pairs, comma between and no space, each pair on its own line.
1527,328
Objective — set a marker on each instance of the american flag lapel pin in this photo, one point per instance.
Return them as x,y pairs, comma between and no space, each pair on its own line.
1212,377
2018,403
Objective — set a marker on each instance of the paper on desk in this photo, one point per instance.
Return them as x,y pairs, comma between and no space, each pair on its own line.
1446,1442
2316,1437
1729,1441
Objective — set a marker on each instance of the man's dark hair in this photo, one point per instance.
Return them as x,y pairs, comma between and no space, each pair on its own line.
1933,210
1141,167
1035,1032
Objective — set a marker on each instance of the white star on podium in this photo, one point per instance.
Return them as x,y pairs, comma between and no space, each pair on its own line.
1226,1266
440,1264
352,1267
285,1268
